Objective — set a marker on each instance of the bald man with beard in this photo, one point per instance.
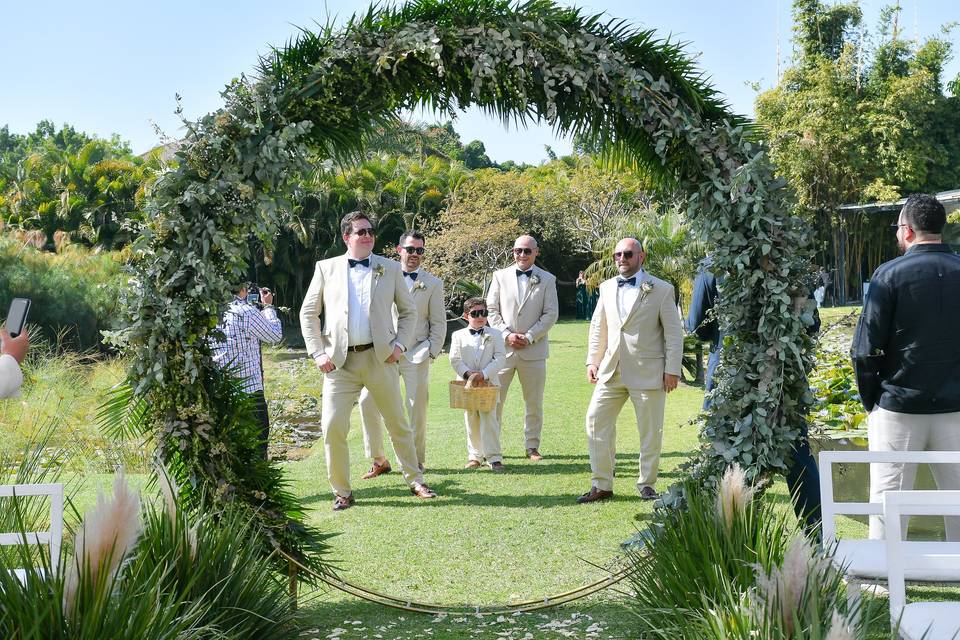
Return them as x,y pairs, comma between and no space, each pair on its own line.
522,301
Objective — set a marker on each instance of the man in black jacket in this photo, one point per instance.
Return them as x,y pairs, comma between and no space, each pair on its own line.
906,353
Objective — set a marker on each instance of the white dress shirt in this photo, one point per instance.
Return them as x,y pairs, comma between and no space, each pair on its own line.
523,283
358,294
627,294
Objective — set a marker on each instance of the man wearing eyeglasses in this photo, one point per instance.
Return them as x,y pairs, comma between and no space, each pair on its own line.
357,346
906,354
427,292
522,302
634,351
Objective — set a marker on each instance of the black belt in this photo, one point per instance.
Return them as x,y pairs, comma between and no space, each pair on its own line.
360,347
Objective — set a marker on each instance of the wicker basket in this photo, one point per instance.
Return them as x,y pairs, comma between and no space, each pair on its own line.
475,398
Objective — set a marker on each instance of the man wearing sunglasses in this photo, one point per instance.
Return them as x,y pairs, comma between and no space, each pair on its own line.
522,302
634,351
427,292
357,346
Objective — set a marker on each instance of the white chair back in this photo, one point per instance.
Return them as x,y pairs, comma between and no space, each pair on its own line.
830,508
52,537
899,556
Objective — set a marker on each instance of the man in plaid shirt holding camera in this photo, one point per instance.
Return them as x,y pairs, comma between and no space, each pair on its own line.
245,326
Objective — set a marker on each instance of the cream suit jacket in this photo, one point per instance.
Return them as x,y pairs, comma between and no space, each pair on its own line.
327,298
431,317
464,355
534,315
11,377
645,345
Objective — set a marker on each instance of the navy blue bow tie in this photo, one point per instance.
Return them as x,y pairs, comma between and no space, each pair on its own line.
524,273
412,275
476,332
630,281
363,263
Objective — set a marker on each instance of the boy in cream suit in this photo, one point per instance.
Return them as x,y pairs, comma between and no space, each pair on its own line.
523,306
635,348
358,345
477,353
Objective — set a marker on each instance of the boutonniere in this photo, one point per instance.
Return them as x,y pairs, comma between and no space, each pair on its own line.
534,279
646,287
419,285
486,338
378,270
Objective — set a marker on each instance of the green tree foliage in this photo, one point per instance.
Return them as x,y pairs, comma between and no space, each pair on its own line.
854,121
65,181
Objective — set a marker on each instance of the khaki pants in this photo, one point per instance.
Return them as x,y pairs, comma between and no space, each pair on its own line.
605,405
341,388
483,436
891,431
416,383
533,378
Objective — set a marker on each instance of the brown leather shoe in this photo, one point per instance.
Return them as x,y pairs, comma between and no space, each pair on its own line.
342,502
648,493
472,464
377,470
534,455
497,467
594,495
422,491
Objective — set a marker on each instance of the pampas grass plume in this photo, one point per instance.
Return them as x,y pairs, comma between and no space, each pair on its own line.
107,534
733,494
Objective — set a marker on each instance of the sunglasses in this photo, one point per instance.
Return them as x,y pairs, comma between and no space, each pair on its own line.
897,226
416,250
365,232
626,255
522,251
478,313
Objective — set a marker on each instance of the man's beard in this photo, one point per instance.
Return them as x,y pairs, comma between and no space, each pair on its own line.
901,246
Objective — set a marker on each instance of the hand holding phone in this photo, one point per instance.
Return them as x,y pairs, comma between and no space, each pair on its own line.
17,316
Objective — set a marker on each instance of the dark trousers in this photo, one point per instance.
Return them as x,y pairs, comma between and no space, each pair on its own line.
263,419
803,479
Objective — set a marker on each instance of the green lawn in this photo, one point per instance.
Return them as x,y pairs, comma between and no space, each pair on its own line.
488,538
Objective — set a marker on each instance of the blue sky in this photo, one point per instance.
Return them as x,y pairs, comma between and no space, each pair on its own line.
108,66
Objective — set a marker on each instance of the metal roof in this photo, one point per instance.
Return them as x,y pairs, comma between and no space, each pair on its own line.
950,200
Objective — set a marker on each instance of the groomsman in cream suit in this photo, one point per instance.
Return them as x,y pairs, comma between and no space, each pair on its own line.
635,349
523,306
357,346
427,292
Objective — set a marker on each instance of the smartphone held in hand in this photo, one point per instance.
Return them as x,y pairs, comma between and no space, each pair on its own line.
17,316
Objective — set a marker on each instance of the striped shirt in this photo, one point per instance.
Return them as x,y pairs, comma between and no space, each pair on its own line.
245,327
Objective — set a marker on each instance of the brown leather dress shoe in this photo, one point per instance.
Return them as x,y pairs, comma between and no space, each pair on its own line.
472,464
497,467
648,493
422,491
594,495
342,502
534,455
377,470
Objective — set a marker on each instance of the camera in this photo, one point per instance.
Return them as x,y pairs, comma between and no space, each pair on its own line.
253,295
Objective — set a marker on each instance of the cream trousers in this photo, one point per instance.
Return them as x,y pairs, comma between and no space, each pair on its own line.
890,431
416,385
341,388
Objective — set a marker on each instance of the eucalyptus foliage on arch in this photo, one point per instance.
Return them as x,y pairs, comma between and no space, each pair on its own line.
634,95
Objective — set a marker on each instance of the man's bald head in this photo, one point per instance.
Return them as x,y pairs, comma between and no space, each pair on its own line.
628,256
525,251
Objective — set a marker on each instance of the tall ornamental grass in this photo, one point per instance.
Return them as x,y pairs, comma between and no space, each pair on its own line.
75,293
144,572
732,565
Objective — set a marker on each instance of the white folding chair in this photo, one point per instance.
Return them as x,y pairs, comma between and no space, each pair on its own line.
926,620
52,537
862,559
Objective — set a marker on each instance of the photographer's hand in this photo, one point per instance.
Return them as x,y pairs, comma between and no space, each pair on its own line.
16,347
